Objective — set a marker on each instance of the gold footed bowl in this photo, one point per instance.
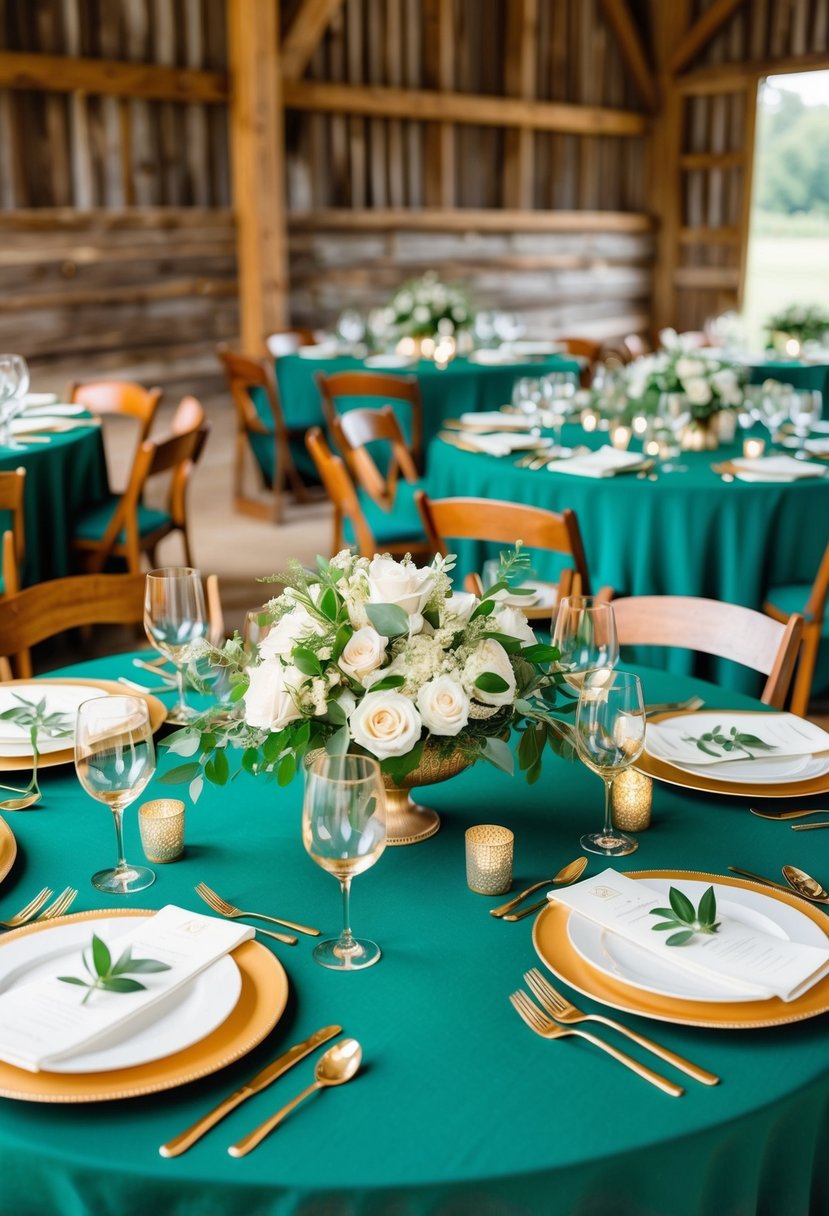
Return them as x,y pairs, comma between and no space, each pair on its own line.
407,821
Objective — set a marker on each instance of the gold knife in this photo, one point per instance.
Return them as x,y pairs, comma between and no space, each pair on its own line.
180,1144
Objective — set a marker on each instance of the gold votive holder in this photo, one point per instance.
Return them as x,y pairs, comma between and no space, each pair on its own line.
753,448
161,824
489,859
631,801
620,437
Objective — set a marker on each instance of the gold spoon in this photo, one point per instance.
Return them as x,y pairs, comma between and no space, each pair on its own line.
779,886
31,794
568,874
805,885
786,814
339,1064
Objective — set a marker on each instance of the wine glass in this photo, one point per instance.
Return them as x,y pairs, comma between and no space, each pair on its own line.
14,383
674,414
527,395
771,407
174,618
344,831
584,632
610,735
559,393
804,411
114,760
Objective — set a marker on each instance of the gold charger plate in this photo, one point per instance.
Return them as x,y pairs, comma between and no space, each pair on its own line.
157,711
553,947
8,849
661,770
261,1003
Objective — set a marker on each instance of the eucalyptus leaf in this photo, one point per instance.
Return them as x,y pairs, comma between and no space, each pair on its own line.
107,976
389,620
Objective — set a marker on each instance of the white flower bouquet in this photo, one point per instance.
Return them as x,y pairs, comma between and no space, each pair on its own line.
426,308
806,323
711,383
380,657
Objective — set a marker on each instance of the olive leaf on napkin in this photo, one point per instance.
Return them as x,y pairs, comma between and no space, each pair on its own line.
112,977
681,916
734,741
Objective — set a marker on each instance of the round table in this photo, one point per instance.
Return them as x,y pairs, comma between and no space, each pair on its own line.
62,477
459,1107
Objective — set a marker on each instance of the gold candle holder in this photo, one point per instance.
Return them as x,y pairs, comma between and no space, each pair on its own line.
161,824
631,801
489,859
753,448
620,436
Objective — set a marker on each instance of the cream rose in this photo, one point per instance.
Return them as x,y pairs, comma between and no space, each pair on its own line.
391,582
363,653
513,622
444,706
270,701
461,605
489,656
385,724
289,631
698,391
688,368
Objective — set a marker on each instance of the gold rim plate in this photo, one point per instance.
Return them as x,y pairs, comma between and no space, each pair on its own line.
261,1003
553,947
157,711
661,770
8,849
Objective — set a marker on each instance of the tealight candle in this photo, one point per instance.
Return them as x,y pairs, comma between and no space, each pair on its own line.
620,437
652,447
489,859
589,420
753,448
640,424
793,348
631,799
161,824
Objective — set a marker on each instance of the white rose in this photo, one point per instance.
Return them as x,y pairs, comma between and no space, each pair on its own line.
728,386
669,339
363,653
385,724
513,622
391,582
489,656
688,368
698,391
460,605
270,701
444,706
289,631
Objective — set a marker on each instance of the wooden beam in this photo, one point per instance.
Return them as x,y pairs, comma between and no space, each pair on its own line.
305,35
709,236
701,32
438,72
749,130
520,64
468,219
619,18
256,137
475,109
711,160
720,277
110,77
733,77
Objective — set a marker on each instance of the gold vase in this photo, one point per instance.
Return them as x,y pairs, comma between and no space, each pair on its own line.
702,435
407,821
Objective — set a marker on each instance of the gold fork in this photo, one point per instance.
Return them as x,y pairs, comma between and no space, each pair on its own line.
31,910
58,906
564,1011
548,1029
227,910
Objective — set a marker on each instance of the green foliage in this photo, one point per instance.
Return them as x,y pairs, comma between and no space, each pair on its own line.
715,743
106,976
682,917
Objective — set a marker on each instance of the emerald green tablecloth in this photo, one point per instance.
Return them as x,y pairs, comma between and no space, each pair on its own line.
445,393
792,371
62,476
459,1108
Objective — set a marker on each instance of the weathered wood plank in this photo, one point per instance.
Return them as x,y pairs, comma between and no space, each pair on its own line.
701,32
62,74
471,219
520,80
619,18
304,35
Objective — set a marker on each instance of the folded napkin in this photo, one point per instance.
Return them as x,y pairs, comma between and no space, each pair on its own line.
31,424
675,739
818,447
44,1021
755,964
776,468
606,462
60,699
33,400
501,443
494,420
53,409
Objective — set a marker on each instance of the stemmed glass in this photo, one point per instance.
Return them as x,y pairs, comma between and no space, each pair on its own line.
14,383
610,735
559,391
344,831
804,411
771,407
174,618
584,631
674,412
114,760
527,396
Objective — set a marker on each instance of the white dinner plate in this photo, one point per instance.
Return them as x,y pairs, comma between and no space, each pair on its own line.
323,350
527,346
60,699
632,964
389,361
184,1018
770,771
492,358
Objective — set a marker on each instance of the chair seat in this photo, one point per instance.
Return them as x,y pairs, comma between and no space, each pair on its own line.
94,521
402,523
791,598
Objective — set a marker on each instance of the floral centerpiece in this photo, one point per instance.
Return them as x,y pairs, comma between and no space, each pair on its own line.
803,323
378,657
710,383
428,308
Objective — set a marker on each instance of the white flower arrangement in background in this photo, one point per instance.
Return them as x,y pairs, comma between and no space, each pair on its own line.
427,308
711,383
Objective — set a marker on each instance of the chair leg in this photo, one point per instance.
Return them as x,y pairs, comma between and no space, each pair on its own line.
801,692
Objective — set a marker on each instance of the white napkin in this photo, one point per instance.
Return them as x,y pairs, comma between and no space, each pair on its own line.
60,699
788,734
776,468
31,424
32,400
44,1021
494,420
756,964
491,358
501,443
606,462
53,409
818,447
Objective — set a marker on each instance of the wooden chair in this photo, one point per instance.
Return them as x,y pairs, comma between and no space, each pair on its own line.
587,349
119,397
727,631
263,432
380,386
123,527
487,519
361,523
811,603
353,432
12,487
288,341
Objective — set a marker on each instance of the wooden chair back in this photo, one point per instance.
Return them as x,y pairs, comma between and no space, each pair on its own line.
727,631
588,349
378,385
287,341
354,431
814,613
119,397
488,519
340,489
243,373
12,488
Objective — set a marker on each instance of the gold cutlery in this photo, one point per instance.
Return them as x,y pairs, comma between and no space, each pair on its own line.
805,885
565,876
786,814
59,906
153,665
455,442
339,1064
134,684
31,910
665,707
548,1029
780,886
809,827
224,908
180,1144
562,1010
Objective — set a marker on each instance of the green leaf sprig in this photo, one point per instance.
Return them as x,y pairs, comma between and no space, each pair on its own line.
681,916
734,741
32,714
107,976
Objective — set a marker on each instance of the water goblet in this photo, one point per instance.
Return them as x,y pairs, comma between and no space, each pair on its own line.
804,411
14,383
610,736
114,760
174,618
344,831
527,396
674,413
584,632
771,407
559,394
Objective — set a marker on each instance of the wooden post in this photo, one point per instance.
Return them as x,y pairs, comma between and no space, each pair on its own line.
438,73
520,78
665,180
257,144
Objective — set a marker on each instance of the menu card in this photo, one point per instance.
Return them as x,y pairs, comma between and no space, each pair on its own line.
755,964
44,1021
